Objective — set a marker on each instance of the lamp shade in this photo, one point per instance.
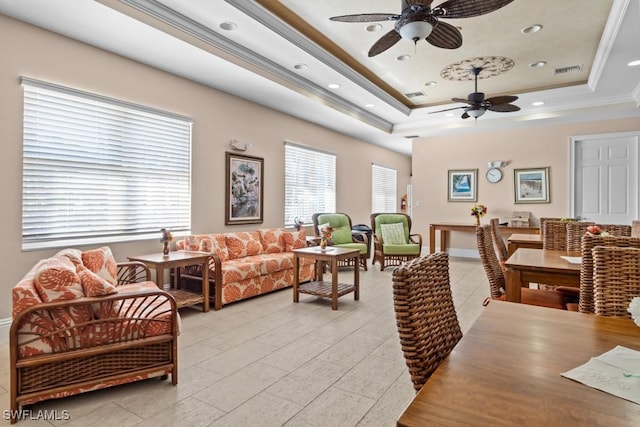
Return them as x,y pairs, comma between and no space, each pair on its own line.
416,30
476,112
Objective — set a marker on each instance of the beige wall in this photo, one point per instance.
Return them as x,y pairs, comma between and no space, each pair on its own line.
521,148
218,118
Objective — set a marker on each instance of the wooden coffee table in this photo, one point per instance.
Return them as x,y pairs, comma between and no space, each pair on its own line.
319,287
177,259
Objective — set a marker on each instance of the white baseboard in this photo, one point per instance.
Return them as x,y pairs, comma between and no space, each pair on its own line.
5,326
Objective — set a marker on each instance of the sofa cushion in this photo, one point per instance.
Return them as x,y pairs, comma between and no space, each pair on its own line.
215,243
191,243
272,240
270,263
56,279
393,234
74,255
94,285
102,262
235,270
295,240
243,243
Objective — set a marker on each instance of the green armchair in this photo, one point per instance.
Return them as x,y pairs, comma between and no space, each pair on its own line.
393,242
342,235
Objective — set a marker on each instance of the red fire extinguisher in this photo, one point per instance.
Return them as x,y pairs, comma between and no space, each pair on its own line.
403,203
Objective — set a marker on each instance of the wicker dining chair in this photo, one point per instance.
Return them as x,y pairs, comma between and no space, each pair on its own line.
545,219
495,275
616,280
635,228
426,317
576,230
587,302
498,242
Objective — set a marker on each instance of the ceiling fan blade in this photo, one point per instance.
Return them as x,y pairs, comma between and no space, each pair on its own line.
454,9
465,115
407,3
445,36
503,108
366,17
497,100
384,43
448,109
460,100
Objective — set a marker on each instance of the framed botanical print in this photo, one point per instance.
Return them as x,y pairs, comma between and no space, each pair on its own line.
244,189
463,185
531,185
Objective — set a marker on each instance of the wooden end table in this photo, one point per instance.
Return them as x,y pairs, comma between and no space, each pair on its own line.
179,259
319,287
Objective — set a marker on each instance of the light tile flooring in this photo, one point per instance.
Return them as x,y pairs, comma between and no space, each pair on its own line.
270,362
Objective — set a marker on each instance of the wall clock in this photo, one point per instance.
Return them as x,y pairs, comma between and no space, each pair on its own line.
494,175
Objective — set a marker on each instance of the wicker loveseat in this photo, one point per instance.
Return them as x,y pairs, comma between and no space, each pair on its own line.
63,342
247,263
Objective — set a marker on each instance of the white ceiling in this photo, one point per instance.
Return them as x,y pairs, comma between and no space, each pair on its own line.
256,60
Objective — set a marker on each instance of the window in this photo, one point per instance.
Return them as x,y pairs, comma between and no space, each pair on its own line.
383,189
309,183
99,170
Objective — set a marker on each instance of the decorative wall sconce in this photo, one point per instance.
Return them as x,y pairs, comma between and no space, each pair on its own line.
496,164
239,145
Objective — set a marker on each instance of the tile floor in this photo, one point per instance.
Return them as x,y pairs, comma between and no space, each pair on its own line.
270,362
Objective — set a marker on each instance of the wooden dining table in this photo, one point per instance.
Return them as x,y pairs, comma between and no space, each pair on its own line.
515,241
546,266
506,371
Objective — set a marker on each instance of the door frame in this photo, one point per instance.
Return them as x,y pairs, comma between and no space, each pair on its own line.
574,140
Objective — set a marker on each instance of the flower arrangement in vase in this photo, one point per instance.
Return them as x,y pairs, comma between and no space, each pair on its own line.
298,223
478,211
165,240
325,235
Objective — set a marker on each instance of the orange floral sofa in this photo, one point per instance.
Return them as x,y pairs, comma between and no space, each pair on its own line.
246,264
82,322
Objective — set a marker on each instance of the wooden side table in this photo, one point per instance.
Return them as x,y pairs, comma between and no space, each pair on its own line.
180,259
319,287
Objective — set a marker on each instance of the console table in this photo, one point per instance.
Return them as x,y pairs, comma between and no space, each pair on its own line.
446,227
179,259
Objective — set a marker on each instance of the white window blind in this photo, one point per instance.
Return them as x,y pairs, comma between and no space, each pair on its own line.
100,170
383,189
310,183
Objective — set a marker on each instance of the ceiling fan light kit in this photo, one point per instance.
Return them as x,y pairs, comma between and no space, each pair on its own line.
418,20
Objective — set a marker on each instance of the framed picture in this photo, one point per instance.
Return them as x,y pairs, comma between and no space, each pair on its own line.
531,185
244,189
463,185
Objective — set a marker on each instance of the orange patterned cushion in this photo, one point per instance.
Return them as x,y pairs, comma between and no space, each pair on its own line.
215,243
102,262
94,285
75,255
272,240
242,244
191,243
295,240
56,279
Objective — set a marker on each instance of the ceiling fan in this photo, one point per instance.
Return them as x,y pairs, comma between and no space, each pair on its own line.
419,20
478,104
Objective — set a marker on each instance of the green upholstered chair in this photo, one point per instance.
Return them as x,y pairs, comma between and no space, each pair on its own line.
400,245
342,235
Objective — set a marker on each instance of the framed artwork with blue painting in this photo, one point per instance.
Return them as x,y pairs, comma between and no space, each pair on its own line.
463,185
531,185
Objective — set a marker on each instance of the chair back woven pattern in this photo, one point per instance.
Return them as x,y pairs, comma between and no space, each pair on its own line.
575,231
587,304
500,247
426,317
616,277
490,261
554,236
635,228
545,219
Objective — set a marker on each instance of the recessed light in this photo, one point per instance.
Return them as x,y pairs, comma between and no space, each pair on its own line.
431,83
537,103
369,105
373,28
532,29
403,57
300,66
634,63
538,64
334,86
228,26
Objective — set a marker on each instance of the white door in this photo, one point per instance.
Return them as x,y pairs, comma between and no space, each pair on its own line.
605,178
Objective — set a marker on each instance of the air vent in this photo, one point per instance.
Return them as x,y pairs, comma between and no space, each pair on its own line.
414,94
570,69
